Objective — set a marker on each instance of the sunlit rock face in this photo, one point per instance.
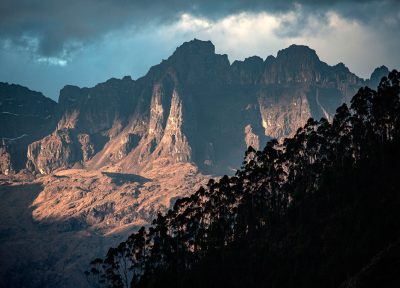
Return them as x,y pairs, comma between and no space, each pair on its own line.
193,107
6,165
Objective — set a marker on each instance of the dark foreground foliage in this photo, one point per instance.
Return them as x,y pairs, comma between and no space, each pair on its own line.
321,209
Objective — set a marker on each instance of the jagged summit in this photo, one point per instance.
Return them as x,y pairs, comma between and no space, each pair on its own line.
297,52
341,67
199,48
194,61
194,47
378,73
270,59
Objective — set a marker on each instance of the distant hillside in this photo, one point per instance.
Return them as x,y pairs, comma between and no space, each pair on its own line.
25,116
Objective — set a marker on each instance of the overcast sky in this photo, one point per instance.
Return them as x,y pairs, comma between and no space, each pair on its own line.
46,44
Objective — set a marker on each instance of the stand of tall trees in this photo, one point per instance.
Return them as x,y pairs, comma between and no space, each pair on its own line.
313,211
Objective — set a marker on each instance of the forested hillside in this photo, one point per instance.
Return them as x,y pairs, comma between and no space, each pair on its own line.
320,209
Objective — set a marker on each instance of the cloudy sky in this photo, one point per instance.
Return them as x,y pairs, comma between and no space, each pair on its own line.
46,44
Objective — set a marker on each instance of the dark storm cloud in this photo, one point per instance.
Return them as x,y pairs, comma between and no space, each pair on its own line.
55,28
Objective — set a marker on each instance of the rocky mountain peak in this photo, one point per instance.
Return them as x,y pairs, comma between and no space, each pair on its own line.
193,62
270,59
298,53
341,68
68,95
253,60
195,47
376,76
295,64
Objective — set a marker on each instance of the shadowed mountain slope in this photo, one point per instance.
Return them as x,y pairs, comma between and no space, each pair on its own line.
25,116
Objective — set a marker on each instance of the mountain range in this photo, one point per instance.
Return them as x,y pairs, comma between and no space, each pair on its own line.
82,173
193,107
